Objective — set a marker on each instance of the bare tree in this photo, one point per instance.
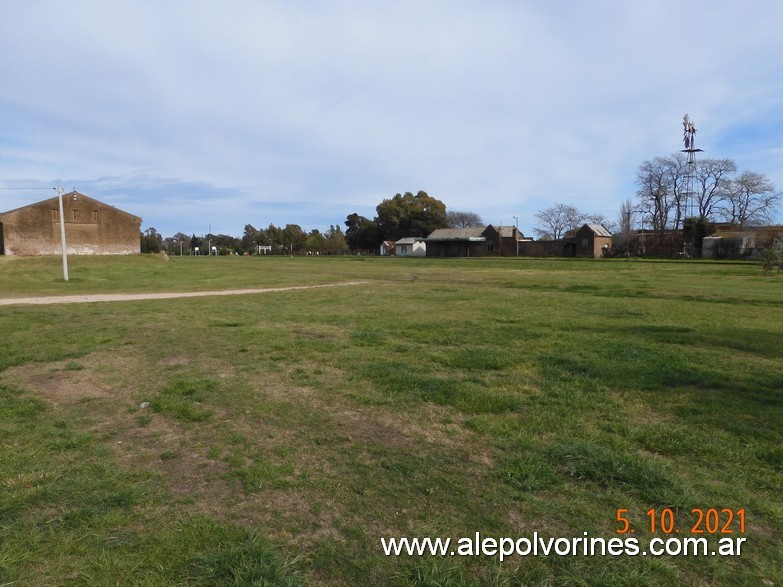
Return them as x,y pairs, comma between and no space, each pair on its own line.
462,219
557,220
713,177
599,219
655,193
751,199
663,188
625,217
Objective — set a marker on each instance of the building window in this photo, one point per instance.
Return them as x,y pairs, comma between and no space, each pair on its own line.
95,216
55,215
584,243
75,214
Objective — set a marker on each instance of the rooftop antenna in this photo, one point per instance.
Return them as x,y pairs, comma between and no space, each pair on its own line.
689,205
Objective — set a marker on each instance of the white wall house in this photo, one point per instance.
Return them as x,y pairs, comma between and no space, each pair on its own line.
410,247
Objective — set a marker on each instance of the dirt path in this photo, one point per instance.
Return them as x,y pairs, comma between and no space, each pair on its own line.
90,298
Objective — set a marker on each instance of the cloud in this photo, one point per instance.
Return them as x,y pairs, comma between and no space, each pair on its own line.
321,109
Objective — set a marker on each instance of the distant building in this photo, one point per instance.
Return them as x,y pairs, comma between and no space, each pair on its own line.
480,241
457,242
592,240
91,228
387,248
410,247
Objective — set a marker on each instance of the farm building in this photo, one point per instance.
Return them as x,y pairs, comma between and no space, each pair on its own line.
592,240
91,228
474,242
410,247
457,242
387,248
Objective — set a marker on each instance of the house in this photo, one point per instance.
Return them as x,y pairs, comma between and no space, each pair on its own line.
475,242
387,248
592,240
456,242
731,242
91,228
410,247
503,240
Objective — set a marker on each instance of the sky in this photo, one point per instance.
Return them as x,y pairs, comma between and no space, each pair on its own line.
210,115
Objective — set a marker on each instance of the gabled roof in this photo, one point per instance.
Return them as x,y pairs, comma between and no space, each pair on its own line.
409,240
598,229
74,195
503,231
457,234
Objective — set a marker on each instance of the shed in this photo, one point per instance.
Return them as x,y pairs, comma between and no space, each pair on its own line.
412,246
456,242
592,240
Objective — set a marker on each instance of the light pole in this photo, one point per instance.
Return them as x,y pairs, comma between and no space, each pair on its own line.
62,234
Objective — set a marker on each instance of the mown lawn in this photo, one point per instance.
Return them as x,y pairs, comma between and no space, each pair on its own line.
284,434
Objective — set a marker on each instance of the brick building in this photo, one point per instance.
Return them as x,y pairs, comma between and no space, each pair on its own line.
91,228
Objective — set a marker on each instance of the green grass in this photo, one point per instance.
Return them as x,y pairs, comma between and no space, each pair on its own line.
286,433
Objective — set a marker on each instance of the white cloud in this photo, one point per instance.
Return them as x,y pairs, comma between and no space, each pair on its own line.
318,110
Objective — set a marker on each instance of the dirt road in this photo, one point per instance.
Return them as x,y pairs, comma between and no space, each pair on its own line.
91,298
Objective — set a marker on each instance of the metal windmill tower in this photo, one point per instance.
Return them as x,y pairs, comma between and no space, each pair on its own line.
690,199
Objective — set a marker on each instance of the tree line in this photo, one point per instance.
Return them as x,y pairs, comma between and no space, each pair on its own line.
718,193
290,239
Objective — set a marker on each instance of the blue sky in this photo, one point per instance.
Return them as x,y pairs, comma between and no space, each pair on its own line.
222,114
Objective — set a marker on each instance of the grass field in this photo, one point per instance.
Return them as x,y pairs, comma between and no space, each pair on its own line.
285,434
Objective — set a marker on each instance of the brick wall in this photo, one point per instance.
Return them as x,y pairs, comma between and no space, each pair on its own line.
91,228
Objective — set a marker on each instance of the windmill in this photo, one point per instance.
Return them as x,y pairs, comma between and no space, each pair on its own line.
689,204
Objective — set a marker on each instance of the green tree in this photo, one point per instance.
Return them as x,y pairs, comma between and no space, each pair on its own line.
695,229
316,242
151,241
250,238
294,238
335,241
409,215
362,234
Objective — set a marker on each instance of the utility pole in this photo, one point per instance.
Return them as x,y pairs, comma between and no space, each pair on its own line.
62,234
516,233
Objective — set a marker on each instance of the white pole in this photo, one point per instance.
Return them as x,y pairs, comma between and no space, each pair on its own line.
62,234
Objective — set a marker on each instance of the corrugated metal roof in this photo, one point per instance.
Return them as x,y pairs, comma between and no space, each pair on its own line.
599,230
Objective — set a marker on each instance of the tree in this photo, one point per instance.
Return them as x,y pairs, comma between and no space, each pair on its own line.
625,218
250,239
177,244
294,238
751,199
196,241
554,222
695,229
151,241
409,215
656,193
598,219
713,176
463,219
362,233
335,241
